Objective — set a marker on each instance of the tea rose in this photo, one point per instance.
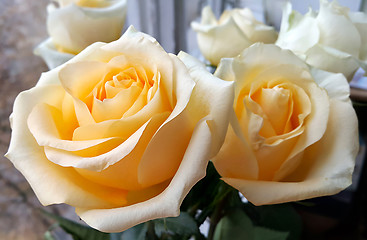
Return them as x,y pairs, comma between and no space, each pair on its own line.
235,30
293,133
334,39
121,132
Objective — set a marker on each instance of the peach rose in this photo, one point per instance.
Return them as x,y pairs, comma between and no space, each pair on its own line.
121,132
293,133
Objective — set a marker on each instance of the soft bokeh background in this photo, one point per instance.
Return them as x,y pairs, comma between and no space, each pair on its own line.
22,27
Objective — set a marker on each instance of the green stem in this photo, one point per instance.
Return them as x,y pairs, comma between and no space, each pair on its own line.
219,210
214,219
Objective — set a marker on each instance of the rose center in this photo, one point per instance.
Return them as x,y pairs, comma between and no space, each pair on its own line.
123,92
277,117
93,3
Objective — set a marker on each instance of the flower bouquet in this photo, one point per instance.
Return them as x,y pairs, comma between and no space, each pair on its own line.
146,144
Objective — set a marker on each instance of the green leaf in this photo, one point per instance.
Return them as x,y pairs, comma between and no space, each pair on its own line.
281,217
183,225
76,230
235,226
116,236
137,232
261,233
238,226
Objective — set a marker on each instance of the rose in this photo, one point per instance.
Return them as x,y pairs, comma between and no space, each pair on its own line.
52,57
121,132
293,133
235,30
87,3
78,23
81,23
334,39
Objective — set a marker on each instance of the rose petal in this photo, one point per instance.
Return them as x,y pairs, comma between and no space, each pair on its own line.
332,60
315,126
75,32
165,150
135,45
298,33
120,219
332,14
53,58
252,61
339,148
98,162
231,154
322,172
45,175
359,20
255,31
45,122
336,84
214,94
122,171
155,168
207,16
219,41
80,78
116,107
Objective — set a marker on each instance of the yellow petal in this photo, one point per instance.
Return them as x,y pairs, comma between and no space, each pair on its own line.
79,79
167,203
122,171
232,154
98,162
45,176
165,150
135,45
46,125
116,107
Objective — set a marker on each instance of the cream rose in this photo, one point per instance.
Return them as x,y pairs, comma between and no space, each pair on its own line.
75,24
334,39
50,55
121,132
293,133
235,30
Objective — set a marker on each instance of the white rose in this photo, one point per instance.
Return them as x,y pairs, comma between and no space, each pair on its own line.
334,39
235,30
